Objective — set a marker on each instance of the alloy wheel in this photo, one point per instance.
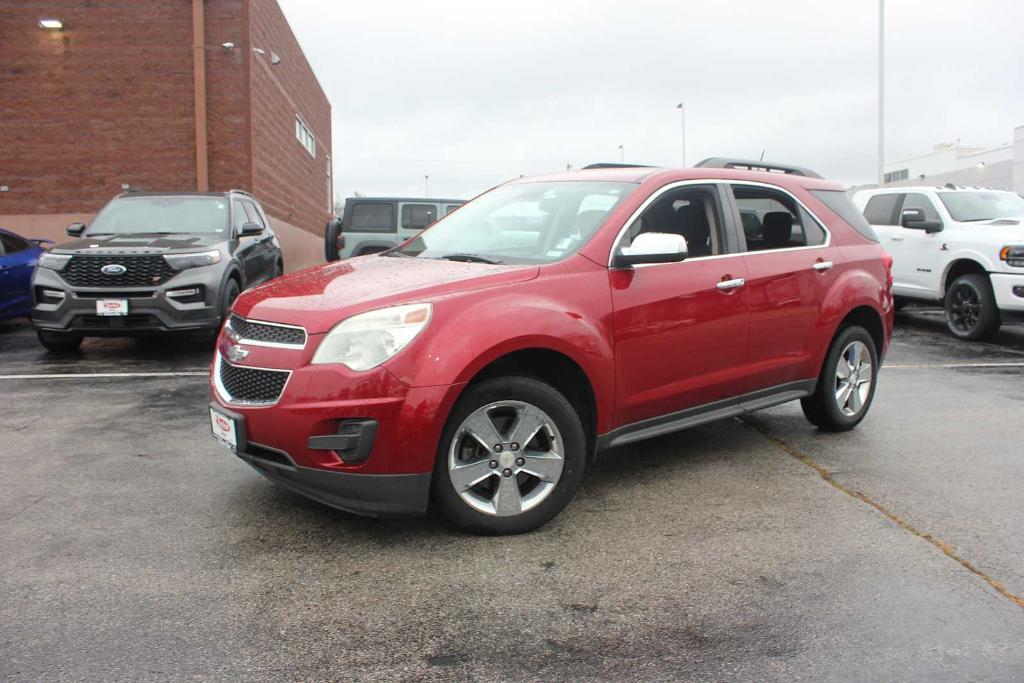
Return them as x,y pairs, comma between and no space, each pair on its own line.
964,308
506,458
853,378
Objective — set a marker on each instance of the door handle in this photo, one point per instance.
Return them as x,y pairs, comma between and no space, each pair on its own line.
822,266
726,285
896,238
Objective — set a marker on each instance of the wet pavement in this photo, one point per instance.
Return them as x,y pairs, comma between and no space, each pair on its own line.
133,547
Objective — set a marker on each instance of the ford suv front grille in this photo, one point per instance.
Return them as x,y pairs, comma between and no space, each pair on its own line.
250,386
135,271
257,332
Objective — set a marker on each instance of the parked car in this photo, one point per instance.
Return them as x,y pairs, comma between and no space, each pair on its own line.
153,262
371,225
962,246
484,363
18,258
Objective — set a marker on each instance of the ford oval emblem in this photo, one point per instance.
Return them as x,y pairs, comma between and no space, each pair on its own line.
113,269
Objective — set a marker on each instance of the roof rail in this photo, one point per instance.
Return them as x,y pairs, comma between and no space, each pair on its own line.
743,164
611,165
249,194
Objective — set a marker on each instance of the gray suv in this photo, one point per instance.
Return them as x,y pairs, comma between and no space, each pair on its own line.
152,262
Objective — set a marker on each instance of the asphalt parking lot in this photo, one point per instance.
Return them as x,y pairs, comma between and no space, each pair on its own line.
133,547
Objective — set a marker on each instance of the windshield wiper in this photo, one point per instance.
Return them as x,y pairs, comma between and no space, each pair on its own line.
471,258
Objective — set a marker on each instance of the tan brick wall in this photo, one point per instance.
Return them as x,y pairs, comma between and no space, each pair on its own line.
291,184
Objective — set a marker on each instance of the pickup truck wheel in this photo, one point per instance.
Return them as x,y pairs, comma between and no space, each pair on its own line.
61,342
511,457
899,303
846,386
971,311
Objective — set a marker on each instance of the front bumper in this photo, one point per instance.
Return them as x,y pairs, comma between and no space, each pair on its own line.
1003,286
285,441
149,308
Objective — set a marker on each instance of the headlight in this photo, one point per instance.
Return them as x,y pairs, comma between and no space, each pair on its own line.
366,340
201,258
1014,256
54,261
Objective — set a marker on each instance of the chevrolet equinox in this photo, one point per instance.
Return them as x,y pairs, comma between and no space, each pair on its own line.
483,363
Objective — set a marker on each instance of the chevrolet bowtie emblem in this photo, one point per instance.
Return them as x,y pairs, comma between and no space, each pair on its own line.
237,353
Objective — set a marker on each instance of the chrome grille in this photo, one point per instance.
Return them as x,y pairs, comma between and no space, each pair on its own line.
257,332
140,271
251,386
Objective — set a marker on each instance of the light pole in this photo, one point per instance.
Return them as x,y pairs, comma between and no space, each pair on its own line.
622,153
881,92
426,186
682,114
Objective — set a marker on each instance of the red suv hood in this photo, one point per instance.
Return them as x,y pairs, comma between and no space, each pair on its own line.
319,298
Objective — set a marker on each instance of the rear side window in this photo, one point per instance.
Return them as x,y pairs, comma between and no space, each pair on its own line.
372,217
774,220
418,216
881,209
840,203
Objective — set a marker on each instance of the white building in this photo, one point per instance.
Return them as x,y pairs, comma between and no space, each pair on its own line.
999,167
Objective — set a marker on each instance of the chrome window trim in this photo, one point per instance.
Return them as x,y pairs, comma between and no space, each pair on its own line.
713,181
223,394
237,338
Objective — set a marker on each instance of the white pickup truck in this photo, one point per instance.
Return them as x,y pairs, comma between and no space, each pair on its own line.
962,246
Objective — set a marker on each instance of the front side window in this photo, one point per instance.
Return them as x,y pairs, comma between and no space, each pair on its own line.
916,200
372,217
252,214
691,211
538,222
881,209
9,244
166,215
774,220
969,207
418,216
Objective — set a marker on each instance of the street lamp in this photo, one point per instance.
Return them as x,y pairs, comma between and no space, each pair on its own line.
622,153
426,186
881,92
51,24
682,114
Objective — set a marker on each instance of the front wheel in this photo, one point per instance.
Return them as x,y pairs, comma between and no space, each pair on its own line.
511,457
971,311
846,386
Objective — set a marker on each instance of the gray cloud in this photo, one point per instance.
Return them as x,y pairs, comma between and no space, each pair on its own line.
474,93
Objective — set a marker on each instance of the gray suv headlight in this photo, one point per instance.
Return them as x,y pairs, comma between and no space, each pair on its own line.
192,260
54,261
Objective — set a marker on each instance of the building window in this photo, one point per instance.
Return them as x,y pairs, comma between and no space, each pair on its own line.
305,136
895,176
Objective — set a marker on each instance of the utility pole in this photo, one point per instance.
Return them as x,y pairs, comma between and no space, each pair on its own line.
881,92
622,153
426,186
682,113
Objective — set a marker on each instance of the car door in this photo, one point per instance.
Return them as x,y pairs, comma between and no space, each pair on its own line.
414,217
790,266
264,251
248,246
17,261
920,252
680,329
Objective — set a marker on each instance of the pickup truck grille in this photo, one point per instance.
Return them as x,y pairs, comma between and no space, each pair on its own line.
266,333
250,386
140,271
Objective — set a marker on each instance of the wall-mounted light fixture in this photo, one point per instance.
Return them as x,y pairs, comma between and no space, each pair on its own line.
51,24
981,164
228,46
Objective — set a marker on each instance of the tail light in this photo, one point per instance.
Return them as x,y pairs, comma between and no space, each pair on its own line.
887,262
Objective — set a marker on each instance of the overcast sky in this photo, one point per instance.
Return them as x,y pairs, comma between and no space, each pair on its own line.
476,92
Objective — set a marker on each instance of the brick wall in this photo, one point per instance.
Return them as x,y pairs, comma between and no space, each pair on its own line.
107,101
227,95
290,182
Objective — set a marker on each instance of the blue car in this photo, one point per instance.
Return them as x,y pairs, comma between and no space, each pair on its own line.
18,258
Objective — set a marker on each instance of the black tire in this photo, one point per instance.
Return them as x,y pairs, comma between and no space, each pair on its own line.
899,303
228,296
60,342
970,305
822,408
566,420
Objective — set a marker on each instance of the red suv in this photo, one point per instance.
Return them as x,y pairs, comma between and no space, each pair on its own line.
484,363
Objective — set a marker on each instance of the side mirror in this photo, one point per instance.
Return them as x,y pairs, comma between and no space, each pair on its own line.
651,247
76,229
914,219
249,229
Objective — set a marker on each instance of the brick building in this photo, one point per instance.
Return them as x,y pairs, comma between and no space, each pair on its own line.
159,95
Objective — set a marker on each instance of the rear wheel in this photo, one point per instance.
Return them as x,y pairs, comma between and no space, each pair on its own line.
971,311
59,341
846,386
511,457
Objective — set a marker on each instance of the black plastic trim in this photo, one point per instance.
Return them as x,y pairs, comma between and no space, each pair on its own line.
353,440
698,415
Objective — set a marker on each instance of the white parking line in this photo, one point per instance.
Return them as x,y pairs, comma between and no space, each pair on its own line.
953,365
101,375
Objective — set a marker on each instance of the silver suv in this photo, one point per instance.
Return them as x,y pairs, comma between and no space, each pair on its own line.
370,225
